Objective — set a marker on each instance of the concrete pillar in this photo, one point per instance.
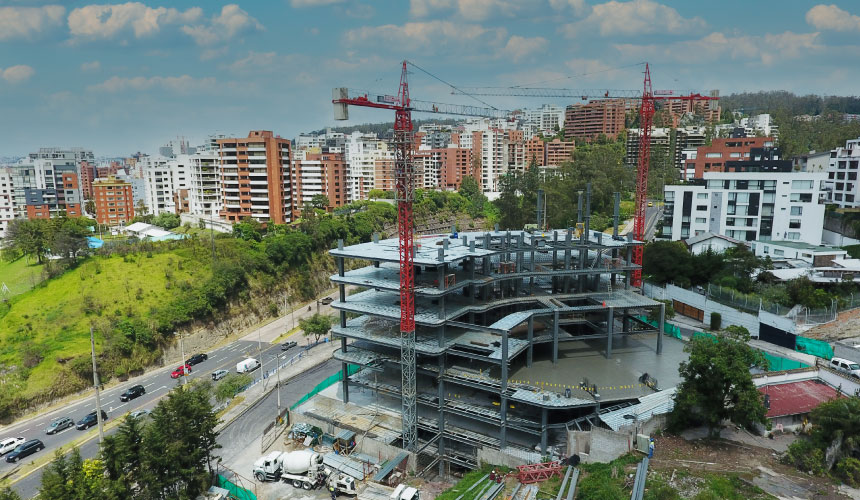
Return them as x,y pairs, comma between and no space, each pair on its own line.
609,327
567,243
554,258
503,398
533,267
345,384
555,337
530,339
441,396
661,325
543,431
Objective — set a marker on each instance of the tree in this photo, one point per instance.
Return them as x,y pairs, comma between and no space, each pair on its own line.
319,201
231,385
667,262
248,229
9,494
166,220
90,206
838,419
30,237
717,385
317,325
69,240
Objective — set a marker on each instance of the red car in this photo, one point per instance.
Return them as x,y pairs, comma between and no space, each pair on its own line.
178,371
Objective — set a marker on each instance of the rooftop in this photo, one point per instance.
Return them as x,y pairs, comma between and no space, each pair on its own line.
799,245
797,398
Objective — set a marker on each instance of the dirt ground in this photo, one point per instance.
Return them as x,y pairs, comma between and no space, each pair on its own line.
683,464
846,325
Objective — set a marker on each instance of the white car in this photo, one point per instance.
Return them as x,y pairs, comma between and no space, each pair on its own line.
9,444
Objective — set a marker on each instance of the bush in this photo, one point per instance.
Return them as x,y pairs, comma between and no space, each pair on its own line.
848,470
804,455
716,321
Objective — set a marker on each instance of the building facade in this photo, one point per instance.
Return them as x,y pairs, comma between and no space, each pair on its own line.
748,206
842,175
114,201
255,178
46,184
723,151
558,151
7,200
362,153
319,174
588,121
204,193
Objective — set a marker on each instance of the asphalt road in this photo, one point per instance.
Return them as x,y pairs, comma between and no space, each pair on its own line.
157,385
652,216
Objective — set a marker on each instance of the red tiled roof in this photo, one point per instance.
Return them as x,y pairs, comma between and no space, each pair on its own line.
797,398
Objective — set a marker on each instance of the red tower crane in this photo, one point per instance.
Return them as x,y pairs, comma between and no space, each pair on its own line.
648,97
404,180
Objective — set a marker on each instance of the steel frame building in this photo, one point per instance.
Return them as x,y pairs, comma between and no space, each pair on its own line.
483,302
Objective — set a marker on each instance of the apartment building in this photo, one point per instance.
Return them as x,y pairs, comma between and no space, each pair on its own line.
114,201
7,200
88,174
434,139
319,174
589,121
443,168
546,120
708,109
46,183
255,177
558,151
535,151
748,205
842,185
163,178
714,158
361,153
204,192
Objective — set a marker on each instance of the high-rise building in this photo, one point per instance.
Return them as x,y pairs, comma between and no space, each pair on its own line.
255,177
558,151
842,174
7,200
88,175
535,151
319,174
46,183
547,120
361,154
708,109
163,177
722,151
114,201
204,192
589,121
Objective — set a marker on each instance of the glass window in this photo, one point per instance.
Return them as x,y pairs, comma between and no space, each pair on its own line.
702,196
701,220
778,252
796,210
800,184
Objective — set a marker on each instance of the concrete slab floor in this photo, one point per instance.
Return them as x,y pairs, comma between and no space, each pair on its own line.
616,378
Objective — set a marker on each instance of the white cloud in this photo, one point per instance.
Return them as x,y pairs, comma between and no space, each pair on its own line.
312,3
585,68
636,17
91,66
180,84
518,47
108,21
28,22
474,10
261,62
578,6
767,49
230,22
831,17
411,36
17,74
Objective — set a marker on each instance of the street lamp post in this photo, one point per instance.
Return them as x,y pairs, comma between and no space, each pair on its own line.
278,388
182,353
96,385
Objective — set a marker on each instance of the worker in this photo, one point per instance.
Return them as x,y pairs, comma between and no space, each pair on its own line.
651,448
333,491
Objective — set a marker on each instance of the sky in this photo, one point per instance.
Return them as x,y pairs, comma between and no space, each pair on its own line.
126,77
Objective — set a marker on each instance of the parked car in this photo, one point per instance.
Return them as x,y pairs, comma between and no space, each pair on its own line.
132,392
196,359
90,420
327,300
9,444
286,346
247,365
59,424
178,371
25,449
139,413
846,366
219,374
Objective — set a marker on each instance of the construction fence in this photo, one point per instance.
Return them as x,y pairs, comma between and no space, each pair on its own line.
328,382
775,363
670,330
235,490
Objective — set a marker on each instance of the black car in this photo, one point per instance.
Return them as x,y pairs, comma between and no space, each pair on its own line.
25,449
132,392
59,424
90,420
288,345
196,359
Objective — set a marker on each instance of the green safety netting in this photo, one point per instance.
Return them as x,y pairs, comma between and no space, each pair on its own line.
778,363
668,329
705,335
815,347
236,491
330,380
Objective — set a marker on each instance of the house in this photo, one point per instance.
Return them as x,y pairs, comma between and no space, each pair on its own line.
788,405
143,230
716,242
797,253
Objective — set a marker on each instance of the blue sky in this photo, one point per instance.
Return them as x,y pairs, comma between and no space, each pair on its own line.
120,78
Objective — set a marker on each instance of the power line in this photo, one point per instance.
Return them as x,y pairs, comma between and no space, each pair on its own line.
431,75
571,77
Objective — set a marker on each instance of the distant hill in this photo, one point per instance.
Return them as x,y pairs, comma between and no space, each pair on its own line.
382,128
781,100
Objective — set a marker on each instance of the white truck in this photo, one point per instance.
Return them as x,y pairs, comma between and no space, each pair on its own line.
304,469
404,492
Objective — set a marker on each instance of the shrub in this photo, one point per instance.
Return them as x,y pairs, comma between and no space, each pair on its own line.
848,470
804,455
716,321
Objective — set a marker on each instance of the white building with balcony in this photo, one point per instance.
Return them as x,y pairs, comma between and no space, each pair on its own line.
842,183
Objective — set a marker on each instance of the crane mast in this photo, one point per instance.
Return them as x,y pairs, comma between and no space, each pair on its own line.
646,118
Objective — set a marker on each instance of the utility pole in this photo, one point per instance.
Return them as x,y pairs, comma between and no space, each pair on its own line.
278,388
96,385
182,353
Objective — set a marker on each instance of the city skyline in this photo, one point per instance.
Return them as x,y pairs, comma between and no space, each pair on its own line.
126,77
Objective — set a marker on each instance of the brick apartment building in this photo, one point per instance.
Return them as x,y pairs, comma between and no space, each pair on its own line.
558,151
255,177
708,109
88,175
114,201
535,151
590,120
319,173
714,158
444,168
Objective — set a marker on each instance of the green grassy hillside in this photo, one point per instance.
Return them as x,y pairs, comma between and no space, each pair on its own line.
20,276
46,327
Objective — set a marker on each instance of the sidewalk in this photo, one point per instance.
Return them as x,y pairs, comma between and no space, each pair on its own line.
262,386
270,331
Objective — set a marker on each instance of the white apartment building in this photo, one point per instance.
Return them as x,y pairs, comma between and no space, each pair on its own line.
362,152
748,206
38,182
204,193
488,140
842,171
7,201
760,124
165,178
547,120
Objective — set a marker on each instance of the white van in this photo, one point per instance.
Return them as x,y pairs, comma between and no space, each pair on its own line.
247,365
846,366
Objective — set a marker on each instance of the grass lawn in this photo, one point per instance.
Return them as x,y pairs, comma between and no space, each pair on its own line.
19,276
52,319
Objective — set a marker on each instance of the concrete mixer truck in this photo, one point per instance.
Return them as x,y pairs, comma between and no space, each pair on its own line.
303,469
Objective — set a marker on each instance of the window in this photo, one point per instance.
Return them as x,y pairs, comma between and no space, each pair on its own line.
701,220
801,184
701,207
794,224
801,197
792,236
778,252
702,196
840,176
713,155
796,210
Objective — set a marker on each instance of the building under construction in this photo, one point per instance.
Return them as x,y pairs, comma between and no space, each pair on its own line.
521,336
